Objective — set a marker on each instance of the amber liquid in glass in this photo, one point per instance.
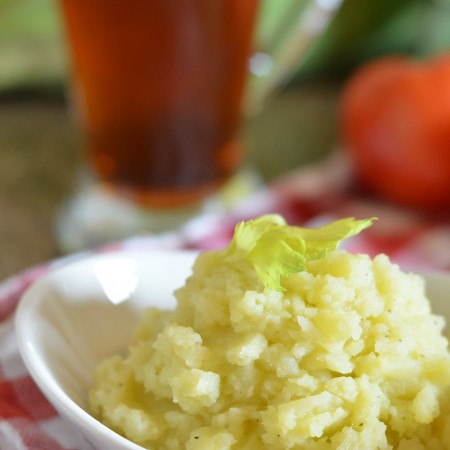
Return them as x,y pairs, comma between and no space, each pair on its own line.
158,86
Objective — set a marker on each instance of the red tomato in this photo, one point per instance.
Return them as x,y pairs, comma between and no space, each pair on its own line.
395,125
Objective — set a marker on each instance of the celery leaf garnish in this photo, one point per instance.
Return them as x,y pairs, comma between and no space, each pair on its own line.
276,249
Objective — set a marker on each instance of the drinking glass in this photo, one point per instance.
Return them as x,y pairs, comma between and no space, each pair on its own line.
156,89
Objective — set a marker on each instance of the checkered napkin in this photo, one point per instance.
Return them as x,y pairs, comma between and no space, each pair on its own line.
312,197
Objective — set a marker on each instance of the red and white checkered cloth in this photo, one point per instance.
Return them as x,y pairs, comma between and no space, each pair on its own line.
314,196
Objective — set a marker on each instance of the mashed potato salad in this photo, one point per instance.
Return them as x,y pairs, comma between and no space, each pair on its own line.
283,341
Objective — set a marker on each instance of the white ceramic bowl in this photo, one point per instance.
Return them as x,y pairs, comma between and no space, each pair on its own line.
72,318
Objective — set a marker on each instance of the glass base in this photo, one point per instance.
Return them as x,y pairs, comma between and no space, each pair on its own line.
95,216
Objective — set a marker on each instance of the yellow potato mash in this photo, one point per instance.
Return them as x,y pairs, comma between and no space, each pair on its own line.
283,341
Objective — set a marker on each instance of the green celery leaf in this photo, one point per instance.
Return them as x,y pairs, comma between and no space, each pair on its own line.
276,249
246,234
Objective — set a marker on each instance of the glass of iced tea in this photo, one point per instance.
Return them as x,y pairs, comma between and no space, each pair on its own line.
157,91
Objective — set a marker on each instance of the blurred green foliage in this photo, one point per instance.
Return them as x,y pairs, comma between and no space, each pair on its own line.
366,29
32,50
